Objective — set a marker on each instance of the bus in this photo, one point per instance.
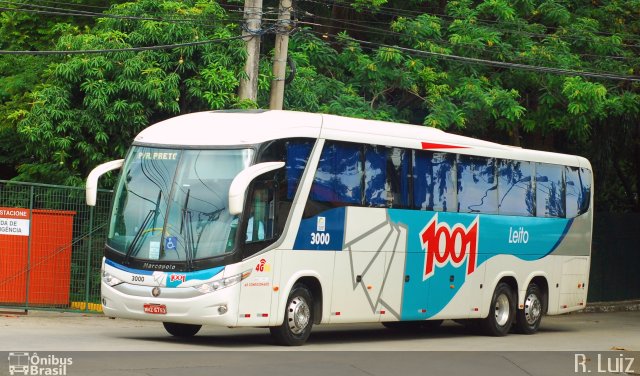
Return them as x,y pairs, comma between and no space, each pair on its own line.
286,220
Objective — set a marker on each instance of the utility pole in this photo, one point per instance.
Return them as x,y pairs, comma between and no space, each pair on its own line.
253,20
280,56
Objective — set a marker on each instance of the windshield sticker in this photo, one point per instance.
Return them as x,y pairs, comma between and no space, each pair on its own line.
154,250
170,243
157,156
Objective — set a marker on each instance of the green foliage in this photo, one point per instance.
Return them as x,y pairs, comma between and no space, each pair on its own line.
92,106
73,112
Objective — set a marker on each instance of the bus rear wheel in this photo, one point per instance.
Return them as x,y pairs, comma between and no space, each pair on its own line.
501,312
298,318
181,330
528,319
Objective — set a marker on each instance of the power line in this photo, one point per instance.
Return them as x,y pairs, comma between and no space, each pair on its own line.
412,14
55,11
498,64
491,23
69,4
384,32
131,49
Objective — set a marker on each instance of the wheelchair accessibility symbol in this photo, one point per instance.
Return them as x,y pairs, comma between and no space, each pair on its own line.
170,243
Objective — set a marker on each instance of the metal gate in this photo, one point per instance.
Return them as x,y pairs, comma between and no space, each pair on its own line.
51,246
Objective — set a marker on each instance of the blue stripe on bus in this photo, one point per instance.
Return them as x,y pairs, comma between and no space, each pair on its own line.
173,279
527,238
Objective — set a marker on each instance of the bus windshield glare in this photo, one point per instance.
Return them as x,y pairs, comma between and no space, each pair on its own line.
171,204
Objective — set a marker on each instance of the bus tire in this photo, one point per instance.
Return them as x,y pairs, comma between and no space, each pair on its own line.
298,318
501,312
181,330
528,319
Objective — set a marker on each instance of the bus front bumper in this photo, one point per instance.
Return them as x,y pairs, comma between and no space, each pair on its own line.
179,305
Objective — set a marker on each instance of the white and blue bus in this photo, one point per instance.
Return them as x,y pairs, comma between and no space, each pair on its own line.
287,219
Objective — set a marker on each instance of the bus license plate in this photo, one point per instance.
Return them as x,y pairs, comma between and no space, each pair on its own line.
156,309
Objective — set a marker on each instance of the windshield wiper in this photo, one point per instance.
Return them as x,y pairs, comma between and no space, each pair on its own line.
135,245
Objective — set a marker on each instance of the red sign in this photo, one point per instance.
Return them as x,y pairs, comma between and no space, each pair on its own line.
443,245
260,266
155,309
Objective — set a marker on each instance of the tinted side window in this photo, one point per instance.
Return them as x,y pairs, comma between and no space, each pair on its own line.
339,175
515,188
295,153
433,184
477,186
550,190
573,191
586,180
386,173
296,161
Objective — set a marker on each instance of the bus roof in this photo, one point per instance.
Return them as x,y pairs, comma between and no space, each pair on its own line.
248,127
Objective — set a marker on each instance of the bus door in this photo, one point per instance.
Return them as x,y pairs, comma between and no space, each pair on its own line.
258,230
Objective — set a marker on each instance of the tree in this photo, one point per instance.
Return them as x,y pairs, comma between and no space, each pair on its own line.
22,30
527,108
92,106
446,64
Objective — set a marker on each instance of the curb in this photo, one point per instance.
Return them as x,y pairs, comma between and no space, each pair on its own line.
84,306
621,306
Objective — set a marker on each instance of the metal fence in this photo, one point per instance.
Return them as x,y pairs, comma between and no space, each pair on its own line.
51,246
615,257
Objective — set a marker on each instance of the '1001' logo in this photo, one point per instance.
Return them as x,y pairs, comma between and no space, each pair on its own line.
444,244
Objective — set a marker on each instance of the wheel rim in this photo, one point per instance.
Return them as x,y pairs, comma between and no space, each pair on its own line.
532,309
298,315
502,310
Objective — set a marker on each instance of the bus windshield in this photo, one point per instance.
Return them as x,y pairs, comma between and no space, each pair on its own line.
171,204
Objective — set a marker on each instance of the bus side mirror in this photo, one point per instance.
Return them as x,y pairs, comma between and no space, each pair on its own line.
240,183
94,175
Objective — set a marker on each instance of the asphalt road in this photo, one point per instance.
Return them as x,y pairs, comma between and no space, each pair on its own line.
583,343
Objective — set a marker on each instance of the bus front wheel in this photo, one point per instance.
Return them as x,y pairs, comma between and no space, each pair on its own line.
501,312
298,318
181,330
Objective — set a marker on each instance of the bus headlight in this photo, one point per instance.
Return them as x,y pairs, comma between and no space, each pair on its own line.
219,284
110,279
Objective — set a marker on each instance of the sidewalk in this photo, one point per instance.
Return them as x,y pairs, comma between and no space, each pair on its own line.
621,306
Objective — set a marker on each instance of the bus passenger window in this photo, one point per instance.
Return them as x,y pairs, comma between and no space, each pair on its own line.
515,188
386,180
433,184
296,161
295,153
477,186
339,175
550,197
572,191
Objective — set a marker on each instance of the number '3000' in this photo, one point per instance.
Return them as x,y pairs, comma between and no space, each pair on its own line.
321,238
